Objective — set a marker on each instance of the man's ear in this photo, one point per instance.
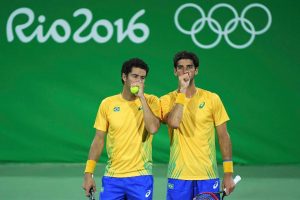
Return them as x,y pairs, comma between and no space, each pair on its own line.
124,77
175,71
196,71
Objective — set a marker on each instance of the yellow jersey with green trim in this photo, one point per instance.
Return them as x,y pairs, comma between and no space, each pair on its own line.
192,145
128,144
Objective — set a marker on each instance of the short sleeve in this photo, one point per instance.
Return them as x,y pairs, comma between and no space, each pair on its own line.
165,102
154,105
219,113
101,122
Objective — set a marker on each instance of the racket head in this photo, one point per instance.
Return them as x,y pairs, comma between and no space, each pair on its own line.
206,196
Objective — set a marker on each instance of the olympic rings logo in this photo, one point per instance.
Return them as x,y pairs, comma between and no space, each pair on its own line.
215,26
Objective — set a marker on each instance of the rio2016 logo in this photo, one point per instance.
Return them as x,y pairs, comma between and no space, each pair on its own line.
229,27
61,31
59,37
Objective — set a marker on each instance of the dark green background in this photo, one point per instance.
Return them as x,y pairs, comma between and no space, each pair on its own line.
50,92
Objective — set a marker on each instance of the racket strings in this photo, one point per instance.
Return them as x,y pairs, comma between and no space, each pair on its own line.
206,196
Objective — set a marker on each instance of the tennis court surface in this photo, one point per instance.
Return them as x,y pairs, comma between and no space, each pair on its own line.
63,181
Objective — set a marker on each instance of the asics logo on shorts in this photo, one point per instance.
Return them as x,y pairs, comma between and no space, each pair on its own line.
148,193
171,186
216,185
216,27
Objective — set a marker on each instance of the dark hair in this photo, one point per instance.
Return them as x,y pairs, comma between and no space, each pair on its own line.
186,55
133,62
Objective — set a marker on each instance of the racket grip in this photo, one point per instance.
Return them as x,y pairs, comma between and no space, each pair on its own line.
91,196
237,179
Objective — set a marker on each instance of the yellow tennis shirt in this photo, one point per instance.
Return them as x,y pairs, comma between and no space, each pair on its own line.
128,144
192,151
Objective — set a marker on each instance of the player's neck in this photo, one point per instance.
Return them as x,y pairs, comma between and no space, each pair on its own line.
191,91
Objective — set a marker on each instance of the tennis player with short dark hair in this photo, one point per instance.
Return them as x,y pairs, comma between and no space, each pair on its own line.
192,114
128,122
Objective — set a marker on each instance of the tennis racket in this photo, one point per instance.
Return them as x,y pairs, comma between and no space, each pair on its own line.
213,195
92,194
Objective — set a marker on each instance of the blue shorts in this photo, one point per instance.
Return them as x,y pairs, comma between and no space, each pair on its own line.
188,189
129,188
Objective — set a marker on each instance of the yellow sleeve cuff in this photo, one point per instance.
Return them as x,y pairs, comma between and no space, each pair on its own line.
180,99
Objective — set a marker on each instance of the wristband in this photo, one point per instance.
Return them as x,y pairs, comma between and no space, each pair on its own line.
180,99
228,166
90,166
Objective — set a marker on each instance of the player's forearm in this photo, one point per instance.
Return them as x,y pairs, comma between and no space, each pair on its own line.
152,123
225,147
94,154
175,116
96,148
224,142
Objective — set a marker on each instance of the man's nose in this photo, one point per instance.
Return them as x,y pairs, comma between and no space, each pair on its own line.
185,70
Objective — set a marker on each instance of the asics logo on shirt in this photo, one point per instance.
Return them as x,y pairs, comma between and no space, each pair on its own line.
116,109
148,193
202,105
216,185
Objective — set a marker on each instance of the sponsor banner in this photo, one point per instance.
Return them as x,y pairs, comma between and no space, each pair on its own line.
59,59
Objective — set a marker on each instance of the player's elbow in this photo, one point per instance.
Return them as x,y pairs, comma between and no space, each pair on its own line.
173,124
153,129
154,126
